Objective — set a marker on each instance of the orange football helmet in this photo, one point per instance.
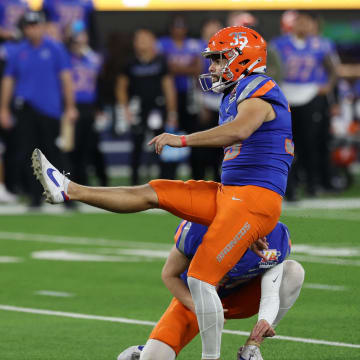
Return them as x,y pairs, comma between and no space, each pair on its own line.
245,52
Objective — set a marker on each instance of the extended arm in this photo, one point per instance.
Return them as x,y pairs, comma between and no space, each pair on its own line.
169,91
175,265
330,64
7,86
71,112
269,303
251,114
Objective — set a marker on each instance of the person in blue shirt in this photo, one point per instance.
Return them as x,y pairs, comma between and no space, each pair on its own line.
267,285
37,76
62,14
86,65
10,13
302,55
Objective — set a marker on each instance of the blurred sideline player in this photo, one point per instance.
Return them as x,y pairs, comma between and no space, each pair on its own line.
303,54
255,131
267,286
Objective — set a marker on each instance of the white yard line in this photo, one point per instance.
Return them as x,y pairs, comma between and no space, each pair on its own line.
151,323
53,293
82,240
324,287
301,252
10,259
324,260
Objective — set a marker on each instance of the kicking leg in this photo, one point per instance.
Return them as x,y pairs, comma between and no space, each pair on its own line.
58,188
123,199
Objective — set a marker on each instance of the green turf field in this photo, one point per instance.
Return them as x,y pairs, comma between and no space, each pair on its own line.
102,269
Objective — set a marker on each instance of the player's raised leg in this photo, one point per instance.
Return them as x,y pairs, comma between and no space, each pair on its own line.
58,188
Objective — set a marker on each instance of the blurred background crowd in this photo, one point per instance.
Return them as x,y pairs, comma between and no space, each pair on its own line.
90,88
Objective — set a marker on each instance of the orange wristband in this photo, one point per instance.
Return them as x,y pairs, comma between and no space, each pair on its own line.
183,140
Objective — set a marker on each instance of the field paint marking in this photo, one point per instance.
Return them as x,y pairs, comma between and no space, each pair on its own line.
322,260
64,255
325,250
81,240
325,287
152,323
53,293
327,204
10,259
163,248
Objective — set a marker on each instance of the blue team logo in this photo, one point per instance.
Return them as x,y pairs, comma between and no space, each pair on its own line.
272,256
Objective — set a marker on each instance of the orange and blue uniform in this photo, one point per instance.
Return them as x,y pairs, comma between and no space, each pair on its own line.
240,293
247,204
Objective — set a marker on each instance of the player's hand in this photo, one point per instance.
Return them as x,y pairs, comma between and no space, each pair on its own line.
261,329
165,139
258,246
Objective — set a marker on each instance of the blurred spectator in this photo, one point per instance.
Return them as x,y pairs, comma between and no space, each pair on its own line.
85,69
5,195
61,14
147,97
303,54
37,73
207,158
8,136
10,13
182,54
287,21
273,62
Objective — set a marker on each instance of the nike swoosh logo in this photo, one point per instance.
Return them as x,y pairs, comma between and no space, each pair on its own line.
275,279
49,173
234,198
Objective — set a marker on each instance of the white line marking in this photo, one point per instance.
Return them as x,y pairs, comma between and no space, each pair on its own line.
152,323
10,259
53,293
324,287
325,250
324,204
322,260
81,240
64,255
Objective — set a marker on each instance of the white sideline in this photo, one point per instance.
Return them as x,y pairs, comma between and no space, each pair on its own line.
152,323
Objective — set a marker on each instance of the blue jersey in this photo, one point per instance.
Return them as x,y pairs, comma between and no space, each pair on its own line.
10,13
301,61
85,70
189,236
36,71
264,158
180,56
66,12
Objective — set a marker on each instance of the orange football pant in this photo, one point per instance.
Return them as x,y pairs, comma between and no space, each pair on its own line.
236,216
178,325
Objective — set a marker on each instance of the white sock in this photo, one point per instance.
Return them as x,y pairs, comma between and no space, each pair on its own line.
157,350
292,280
210,316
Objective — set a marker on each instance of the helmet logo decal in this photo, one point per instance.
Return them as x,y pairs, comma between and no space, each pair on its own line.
239,39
